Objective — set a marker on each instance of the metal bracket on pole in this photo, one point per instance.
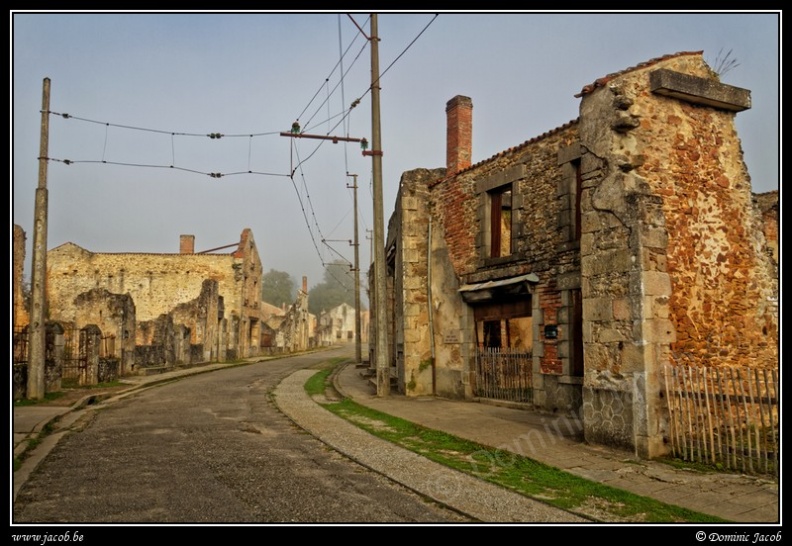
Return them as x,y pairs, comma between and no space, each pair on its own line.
335,139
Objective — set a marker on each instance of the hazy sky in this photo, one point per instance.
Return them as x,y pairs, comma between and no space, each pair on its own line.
144,89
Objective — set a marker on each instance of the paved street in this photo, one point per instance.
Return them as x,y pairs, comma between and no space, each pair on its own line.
210,449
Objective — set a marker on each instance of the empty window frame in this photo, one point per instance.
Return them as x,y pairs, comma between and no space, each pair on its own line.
500,221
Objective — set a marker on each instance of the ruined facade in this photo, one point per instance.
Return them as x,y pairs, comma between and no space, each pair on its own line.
337,325
114,315
20,315
289,329
601,251
214,297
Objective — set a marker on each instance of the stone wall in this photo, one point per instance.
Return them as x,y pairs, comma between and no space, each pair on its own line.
633,242
673,263
411,342
294,332
156,343
767,203
543,243
337,325
202,318
114,315
161,283
20,312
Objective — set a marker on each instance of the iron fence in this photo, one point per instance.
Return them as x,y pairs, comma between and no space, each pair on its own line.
504,374
20,345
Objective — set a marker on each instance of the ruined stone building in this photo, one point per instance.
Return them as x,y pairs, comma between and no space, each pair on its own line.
208,302
337,325
272,317
620,242
289,329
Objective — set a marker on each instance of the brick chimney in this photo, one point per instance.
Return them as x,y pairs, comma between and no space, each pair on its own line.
459,134
187,244
305,284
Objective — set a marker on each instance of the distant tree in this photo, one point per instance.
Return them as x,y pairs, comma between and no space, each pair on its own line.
338,287
277,288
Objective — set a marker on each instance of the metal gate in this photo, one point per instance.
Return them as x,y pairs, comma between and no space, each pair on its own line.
20,345
75,356
504,374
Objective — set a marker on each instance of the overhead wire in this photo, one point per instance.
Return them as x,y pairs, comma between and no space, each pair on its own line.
343,96
327,79
156,166
212,136
316,223
346,113
218,135
399,56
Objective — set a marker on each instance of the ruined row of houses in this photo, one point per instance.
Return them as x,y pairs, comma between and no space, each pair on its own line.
175,308
618,243
596,254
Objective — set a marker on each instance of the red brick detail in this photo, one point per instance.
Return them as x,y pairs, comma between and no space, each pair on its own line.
459,134
187,244
551,366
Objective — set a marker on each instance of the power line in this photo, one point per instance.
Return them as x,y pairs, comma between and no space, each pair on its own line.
341,78
399,56
211,136
357,101
154,166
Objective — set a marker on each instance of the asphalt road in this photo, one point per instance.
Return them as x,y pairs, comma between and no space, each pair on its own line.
211,448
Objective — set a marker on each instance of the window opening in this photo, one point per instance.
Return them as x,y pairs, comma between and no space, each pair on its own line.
501,222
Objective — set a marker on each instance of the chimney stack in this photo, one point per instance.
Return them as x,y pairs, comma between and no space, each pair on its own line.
459,134
305,284
187,244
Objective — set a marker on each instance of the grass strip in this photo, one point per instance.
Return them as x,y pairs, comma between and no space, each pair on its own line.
521,474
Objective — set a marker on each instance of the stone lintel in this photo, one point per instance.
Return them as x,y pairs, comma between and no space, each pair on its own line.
699,90
569,153
501,178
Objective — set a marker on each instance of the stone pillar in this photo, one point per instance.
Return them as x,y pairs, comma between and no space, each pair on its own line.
92,340
53,369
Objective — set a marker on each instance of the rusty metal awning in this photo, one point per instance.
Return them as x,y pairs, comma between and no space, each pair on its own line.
483,291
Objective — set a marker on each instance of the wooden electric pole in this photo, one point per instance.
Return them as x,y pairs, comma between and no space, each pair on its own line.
380,288
37,330
358,341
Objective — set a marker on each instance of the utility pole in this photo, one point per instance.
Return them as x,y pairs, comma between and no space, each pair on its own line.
358,341
38,295
381,346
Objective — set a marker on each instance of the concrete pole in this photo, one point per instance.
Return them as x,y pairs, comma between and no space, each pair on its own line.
380,289
38,293
358,341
